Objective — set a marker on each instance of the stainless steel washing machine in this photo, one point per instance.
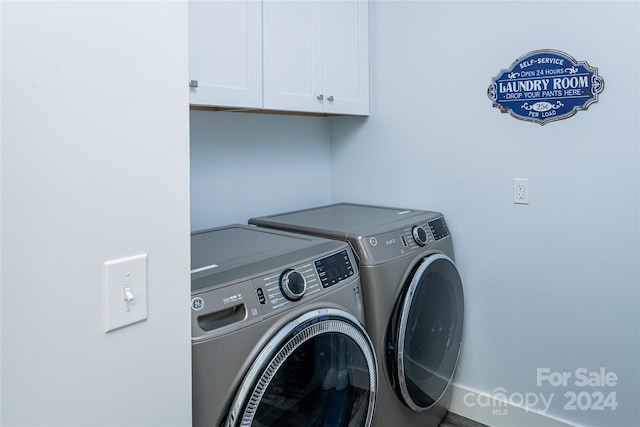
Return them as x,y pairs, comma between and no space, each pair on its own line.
277,334
414,302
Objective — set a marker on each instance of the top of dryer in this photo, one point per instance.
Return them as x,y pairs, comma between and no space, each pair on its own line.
342,220
377,233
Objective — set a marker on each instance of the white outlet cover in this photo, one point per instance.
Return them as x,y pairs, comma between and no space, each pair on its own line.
521,191
125,278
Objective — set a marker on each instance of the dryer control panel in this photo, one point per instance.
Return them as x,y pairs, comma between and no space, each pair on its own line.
427,234
238,304
438,228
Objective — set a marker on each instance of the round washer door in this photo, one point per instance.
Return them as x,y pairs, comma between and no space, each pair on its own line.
319,370
429,332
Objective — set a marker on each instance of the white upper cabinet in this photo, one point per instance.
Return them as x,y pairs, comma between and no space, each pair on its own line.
291,55
316,56
225,53
345,65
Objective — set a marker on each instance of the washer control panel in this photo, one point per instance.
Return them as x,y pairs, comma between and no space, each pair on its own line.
234,305
334,268
284,287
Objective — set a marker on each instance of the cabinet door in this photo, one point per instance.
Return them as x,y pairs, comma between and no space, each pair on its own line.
225,52
292,55
316,56
345,62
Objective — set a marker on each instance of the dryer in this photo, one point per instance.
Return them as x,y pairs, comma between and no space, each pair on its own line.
277,334
414,301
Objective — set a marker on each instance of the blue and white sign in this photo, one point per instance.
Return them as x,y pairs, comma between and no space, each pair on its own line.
545,85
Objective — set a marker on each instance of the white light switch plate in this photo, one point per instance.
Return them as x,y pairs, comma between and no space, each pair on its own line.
125,291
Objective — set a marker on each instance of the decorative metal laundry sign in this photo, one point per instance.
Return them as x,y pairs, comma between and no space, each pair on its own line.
545,85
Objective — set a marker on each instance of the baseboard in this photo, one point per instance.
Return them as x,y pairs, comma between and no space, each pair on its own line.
485,409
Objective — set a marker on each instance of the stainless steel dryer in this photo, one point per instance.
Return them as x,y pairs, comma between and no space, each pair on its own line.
414,303
277,335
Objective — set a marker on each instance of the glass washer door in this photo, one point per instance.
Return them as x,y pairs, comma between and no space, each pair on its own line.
429,332
318,371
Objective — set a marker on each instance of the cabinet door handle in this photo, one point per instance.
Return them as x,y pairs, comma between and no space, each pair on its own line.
320,97
193,83
330,98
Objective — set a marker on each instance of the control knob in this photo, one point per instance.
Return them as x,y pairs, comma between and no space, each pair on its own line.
419,235
292,284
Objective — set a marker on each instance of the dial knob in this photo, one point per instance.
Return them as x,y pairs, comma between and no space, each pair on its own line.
419,235
292,284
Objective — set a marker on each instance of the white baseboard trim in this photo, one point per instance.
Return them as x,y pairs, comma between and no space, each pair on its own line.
484,408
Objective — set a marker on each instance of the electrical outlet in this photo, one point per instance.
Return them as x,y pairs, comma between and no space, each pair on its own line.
521,191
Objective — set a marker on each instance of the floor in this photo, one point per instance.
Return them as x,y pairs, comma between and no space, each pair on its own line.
455,420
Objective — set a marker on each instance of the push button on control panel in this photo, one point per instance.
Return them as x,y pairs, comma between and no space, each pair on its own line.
261,299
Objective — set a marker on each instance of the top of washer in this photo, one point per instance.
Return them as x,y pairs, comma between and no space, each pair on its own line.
343,220
236,251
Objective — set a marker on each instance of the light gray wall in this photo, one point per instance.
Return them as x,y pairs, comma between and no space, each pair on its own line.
554,284
95,166
245,165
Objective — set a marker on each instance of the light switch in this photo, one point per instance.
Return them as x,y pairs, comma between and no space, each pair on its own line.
125,291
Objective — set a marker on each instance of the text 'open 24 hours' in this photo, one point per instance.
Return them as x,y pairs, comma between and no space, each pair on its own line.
545,85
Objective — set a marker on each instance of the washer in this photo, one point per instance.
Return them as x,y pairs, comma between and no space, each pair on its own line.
414,302
277,334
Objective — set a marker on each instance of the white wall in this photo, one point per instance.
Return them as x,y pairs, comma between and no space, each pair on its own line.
554,284
245,165
95,166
